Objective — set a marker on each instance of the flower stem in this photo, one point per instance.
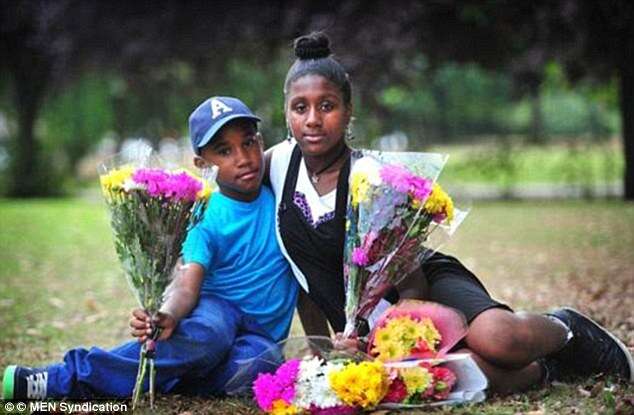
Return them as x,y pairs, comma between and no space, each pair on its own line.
140,377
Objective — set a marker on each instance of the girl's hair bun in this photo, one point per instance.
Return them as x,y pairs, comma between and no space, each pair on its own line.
313,46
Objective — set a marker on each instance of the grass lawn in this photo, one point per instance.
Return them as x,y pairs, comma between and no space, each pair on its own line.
61,286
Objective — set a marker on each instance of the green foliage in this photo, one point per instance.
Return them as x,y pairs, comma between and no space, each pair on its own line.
455,102
506,163
74,121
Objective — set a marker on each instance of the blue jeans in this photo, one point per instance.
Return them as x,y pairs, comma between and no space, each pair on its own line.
211,352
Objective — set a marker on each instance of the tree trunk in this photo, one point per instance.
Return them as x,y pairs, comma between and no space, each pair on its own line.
26,175
627,117
536,133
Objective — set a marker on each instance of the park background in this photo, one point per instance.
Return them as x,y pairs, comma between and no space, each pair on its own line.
533,101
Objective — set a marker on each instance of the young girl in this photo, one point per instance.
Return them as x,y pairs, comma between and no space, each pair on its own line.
309,175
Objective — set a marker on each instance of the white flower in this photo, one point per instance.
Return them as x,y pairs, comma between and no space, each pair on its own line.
371,167
313,388
130,184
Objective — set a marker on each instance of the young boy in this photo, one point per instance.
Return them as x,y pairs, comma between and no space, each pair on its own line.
233,301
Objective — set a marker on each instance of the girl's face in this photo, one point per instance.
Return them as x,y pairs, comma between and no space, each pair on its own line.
316,114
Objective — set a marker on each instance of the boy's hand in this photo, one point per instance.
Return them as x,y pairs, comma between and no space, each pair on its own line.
141,328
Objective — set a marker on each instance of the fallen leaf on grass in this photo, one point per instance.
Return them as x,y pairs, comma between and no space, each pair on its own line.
56,302
91,304
95,317
32,332
59,325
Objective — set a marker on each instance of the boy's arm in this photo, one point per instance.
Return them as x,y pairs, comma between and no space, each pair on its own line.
184,292
182,297
312,318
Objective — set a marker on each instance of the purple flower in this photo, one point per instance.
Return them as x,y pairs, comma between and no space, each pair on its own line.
396,176
405,181
176,186
420,187
266,390
286,376
360,257
181,186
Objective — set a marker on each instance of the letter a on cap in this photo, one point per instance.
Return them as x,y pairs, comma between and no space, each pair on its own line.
218,108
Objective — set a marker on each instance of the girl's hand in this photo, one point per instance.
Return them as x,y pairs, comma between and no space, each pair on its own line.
141,325
351,346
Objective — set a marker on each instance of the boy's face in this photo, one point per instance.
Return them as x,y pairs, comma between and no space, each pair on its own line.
237,151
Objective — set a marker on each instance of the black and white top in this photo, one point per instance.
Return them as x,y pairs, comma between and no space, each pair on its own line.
311,229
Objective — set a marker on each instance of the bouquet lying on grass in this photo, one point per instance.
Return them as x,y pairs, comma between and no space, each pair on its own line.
322,381
394,208
151,209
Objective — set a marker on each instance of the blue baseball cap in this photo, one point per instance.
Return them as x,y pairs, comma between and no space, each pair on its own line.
209,117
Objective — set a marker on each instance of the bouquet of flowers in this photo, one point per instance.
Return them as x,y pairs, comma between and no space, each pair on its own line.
151,209
414,329
320,380
394,207
412,338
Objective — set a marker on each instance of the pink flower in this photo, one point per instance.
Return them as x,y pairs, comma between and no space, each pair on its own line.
405,181
444,381
397,391
360,257
419,187
286,376
176,186
266,390
396,176
269,388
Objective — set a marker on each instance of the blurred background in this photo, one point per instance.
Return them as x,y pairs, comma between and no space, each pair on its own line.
533,100
530,99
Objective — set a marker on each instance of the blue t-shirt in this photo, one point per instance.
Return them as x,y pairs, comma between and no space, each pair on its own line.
236,245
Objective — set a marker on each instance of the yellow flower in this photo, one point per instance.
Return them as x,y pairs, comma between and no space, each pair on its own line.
114,179
280,407
439,202
430,334
360,384
205,192
416,379
400,335
359,188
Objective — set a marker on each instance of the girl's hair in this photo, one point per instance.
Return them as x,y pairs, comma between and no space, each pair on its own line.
314,58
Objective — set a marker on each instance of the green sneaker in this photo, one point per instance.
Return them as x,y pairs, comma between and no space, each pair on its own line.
7,382
24,383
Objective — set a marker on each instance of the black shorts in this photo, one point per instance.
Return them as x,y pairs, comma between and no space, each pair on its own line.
452,284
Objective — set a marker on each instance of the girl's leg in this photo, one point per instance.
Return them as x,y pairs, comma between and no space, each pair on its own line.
504,381
513,340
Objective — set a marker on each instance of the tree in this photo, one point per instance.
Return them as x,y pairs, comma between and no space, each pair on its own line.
45,45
